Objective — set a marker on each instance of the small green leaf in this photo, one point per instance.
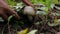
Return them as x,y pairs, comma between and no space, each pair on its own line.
23,31
10,17
32,32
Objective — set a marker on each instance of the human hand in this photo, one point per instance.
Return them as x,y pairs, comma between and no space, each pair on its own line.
5,12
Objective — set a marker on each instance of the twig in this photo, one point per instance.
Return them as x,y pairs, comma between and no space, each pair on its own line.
9,29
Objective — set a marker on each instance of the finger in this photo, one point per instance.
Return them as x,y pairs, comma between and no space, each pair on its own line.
14,13
11,12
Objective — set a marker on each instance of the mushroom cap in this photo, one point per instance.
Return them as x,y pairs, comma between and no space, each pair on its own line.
29,10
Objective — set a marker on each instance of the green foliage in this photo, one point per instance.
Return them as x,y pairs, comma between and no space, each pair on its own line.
44,1
11,2
55,1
